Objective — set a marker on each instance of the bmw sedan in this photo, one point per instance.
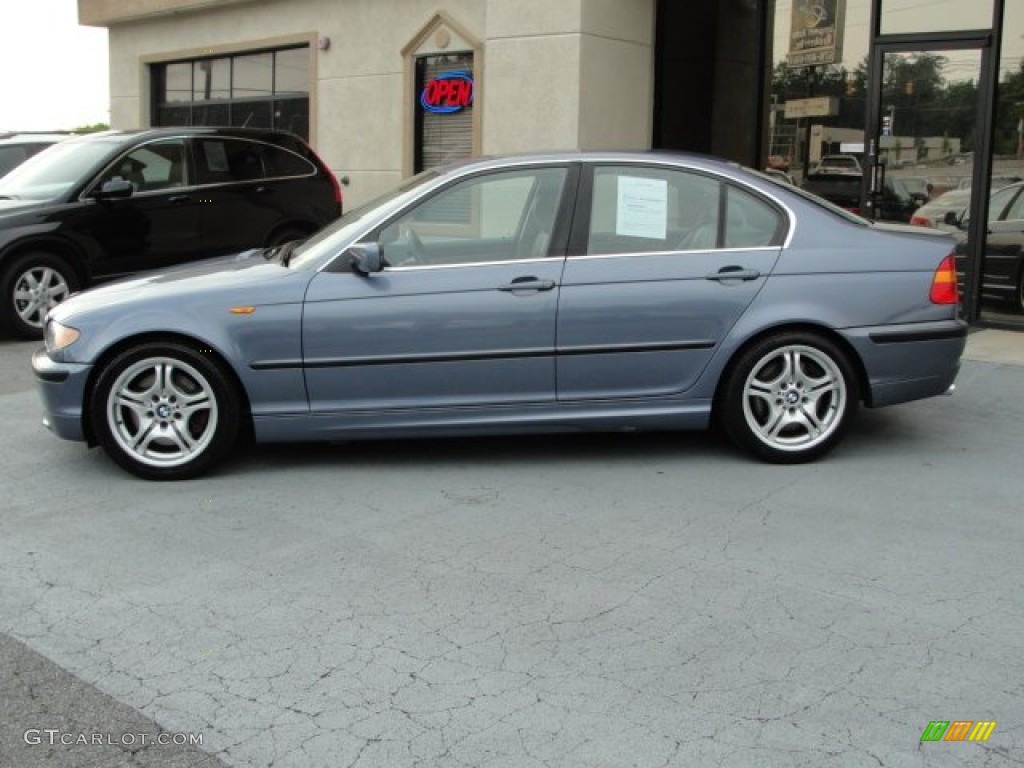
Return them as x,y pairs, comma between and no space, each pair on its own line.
613,291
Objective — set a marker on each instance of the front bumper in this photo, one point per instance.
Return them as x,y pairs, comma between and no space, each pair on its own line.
62,388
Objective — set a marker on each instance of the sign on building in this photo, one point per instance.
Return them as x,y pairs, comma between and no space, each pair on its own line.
816,33
819,106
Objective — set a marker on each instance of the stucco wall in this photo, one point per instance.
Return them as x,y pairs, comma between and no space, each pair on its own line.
552,74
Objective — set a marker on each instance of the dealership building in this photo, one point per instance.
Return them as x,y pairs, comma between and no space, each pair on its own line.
385,88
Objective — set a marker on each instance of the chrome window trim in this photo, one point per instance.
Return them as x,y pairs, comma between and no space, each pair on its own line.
422,267
589,159
632,254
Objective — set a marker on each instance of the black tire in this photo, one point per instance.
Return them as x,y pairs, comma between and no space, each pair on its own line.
165,411
789,398
32,284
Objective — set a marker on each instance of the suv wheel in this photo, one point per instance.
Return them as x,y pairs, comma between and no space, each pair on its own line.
32,285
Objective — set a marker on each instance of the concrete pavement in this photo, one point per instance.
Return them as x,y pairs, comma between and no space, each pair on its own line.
581,601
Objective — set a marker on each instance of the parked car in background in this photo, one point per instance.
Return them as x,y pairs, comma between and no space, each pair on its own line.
839,163
933,214
998,182
19,147
844,189
1002,270
918,187
563,292
107,205
783,176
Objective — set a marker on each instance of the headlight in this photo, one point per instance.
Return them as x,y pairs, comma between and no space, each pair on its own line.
58,336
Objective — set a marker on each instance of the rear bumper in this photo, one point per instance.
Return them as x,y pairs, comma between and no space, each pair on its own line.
909,362
62,389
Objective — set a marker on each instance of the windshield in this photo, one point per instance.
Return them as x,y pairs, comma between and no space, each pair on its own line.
327,239
54,171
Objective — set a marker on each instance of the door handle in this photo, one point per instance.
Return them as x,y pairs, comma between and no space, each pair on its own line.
527,284
733,273
179,198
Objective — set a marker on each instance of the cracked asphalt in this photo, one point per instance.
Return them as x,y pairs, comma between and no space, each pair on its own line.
623,600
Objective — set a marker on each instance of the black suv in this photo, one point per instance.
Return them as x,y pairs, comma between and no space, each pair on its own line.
106,205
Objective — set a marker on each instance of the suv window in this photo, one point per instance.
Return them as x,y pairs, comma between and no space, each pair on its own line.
222,160
152,167
281,162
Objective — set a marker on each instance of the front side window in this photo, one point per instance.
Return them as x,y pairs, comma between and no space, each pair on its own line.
496,217
156,166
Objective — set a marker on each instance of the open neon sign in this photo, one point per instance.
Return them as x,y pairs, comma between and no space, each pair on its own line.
451,92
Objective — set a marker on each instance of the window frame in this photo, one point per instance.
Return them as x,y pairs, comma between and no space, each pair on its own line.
558,244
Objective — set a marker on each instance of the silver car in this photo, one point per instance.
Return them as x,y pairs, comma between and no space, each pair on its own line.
563,292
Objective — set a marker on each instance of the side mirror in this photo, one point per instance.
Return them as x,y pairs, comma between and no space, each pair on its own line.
115,188
364,258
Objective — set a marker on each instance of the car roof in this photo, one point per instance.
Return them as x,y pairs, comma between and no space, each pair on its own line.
33,138
691,159
138,135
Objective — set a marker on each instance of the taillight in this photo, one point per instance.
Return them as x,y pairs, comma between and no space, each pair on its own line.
944,282
337,187
921,221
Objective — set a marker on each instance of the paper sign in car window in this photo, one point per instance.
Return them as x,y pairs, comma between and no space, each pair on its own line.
643,207
216,156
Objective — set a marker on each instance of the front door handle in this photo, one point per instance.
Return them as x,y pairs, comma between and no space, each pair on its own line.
179,199
733,273
528,284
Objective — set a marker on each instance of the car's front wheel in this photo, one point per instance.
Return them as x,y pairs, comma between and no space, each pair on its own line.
32,285
165,411
789,397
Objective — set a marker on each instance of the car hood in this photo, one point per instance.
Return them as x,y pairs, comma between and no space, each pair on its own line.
19,205
246,277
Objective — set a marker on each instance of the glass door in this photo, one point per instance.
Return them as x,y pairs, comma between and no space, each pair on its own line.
928,151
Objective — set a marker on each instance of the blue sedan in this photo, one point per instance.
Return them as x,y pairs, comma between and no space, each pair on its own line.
545,293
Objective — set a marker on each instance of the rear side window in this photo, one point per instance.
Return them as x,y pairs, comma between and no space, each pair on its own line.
749,221
643,210
280,162
224,160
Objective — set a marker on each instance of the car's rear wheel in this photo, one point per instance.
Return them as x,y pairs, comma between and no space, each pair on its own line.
165,411
32,285
286,236
789,398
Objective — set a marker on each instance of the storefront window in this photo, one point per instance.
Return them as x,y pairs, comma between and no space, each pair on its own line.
1002,284
819,83
444,109
912,16
269,89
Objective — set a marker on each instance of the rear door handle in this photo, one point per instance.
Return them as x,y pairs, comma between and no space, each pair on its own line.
733,273
179,198
528,284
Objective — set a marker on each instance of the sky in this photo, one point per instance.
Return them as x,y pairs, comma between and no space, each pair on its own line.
53,73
